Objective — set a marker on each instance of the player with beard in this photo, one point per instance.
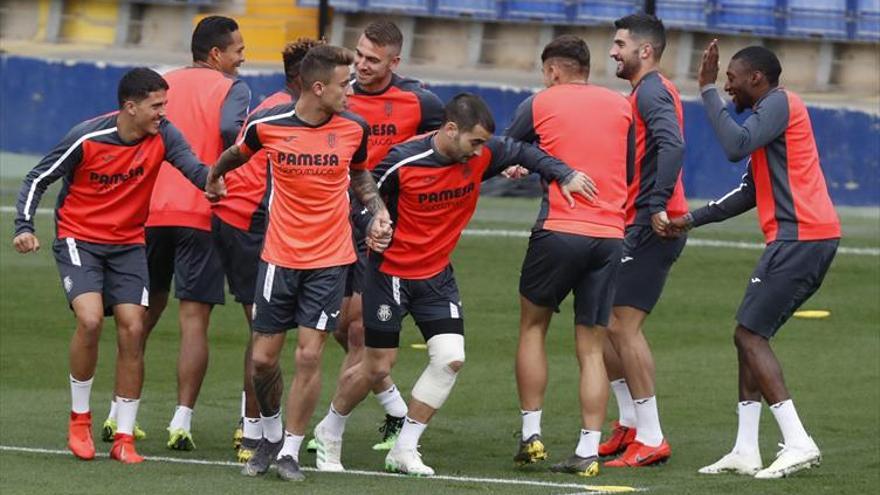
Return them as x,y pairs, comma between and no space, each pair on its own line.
655,194
432,185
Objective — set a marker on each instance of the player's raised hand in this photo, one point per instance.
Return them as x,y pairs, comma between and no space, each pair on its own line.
579,183
215,187
515,172
708,72
26,242
660,224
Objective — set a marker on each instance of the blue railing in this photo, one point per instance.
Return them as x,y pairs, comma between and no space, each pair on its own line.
824,19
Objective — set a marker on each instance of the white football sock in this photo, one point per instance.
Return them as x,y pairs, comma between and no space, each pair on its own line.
112,413
80,392
182,419
793,432
409,435
588,444
648,429
126,414
626,409
272,430
291,446
531,423
747,432
392,402
333,424
252,428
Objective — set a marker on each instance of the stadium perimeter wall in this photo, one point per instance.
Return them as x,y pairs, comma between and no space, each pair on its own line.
40,100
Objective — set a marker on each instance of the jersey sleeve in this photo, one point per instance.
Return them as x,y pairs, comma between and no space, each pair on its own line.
522,127
657,108
359,159
740,200
767,122
507,151
433,113
234,111
59,162
249,142
179,154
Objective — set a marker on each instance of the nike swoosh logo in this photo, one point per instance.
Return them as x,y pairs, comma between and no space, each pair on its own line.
640,459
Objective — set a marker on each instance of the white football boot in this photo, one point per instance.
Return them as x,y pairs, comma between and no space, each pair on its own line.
329,453
406,461
735,462
790,460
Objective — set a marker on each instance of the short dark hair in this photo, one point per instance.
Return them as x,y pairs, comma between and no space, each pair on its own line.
384,33
293,55
138,83
763,60
468,110
320,62
212,31
646,27
569,47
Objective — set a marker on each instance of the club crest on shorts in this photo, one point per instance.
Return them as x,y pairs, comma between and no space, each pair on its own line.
384,313
68,284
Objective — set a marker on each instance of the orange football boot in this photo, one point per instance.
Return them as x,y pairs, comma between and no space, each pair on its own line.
123,449
640,455
621,437
79,435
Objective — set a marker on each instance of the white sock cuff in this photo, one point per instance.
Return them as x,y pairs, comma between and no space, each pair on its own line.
81,383
337,413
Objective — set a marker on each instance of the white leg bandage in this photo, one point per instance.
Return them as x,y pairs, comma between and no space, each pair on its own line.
438,378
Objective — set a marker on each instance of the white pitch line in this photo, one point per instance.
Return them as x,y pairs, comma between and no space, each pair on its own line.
691,241
755,246
355,472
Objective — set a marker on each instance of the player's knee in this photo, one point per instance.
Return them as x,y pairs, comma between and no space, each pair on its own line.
446,358
90,324
308,358
378,371
262,363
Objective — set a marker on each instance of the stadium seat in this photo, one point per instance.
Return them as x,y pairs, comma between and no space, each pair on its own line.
483,9
752,16
683,13
343,5
605,11
867,19
415,7
538,10
816,18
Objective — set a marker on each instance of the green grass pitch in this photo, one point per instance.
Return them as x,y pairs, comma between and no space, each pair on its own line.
831,365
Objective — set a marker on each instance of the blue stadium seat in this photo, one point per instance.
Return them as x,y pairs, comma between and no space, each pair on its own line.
868,20
824,18
589,11
407,6
538,10
346,5
683,13
754,16
482,9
